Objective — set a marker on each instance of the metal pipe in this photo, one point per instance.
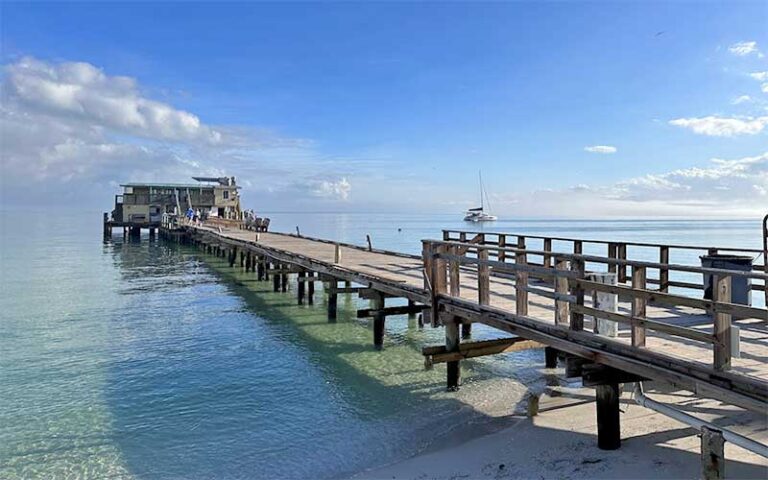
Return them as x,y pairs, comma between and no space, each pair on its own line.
697,423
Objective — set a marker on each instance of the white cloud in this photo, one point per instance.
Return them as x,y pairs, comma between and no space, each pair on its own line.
604,149
742,49
339,189
721,126
759,76
72,133
741,99
84,93
764,87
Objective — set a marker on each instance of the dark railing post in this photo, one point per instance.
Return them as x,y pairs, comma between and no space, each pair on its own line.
664,271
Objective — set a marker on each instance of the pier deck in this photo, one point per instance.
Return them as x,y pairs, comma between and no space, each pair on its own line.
681,356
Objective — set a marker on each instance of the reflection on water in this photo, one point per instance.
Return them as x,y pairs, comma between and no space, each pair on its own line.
143,359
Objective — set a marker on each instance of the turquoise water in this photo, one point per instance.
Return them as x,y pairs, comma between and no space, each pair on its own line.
140,359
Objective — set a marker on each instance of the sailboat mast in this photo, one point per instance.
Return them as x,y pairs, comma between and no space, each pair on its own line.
480,175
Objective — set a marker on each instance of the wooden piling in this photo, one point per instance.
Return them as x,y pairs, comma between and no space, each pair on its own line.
608,422
378,320
300,287
712,454
333,299
452,341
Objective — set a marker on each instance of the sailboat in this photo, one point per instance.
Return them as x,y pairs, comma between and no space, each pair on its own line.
478,214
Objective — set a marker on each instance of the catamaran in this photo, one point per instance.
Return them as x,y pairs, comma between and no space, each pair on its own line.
478,214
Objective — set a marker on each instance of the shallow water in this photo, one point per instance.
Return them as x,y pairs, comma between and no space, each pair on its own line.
143,359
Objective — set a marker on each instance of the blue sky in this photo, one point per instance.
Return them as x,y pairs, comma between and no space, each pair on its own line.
395,106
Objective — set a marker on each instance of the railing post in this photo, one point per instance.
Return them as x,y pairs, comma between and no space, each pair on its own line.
561,288
521,279
439,280
446,235
613,251
722,294
453,272
578,247
622,254
502,256
664,271
638,305
547,248
483,277
577,291
426,257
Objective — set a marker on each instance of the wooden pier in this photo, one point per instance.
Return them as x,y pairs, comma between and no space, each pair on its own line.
535,291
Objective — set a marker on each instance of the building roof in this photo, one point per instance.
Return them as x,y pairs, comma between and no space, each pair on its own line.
174,185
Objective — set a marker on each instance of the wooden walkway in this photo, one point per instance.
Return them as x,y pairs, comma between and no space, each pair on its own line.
678,349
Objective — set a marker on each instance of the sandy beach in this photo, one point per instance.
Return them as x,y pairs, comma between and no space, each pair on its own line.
561,442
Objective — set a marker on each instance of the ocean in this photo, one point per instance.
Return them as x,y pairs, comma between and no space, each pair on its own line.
144,359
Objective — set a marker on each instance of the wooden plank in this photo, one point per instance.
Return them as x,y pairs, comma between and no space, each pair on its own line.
641,322
479,349
658,298
594,374
399,310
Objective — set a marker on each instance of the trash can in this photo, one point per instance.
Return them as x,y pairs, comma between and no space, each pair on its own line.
741,287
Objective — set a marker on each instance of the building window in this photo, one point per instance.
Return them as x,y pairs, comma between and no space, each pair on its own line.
226,194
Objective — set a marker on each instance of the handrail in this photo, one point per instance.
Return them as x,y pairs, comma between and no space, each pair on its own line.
443,260
608,242
606,260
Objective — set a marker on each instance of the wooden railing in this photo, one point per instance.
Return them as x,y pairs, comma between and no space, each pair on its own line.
614,251
445,262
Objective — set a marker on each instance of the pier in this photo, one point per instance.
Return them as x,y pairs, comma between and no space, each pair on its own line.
537,290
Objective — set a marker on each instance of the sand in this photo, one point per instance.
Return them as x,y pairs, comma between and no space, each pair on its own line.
561,443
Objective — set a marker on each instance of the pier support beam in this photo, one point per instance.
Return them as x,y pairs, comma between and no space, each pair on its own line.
333,300
712,454
452,341
550,357
284,279
311,292
300,289
377,303
466,330
608,424
275,279
260,269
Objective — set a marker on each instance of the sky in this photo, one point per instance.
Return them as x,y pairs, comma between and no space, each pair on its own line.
582,110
